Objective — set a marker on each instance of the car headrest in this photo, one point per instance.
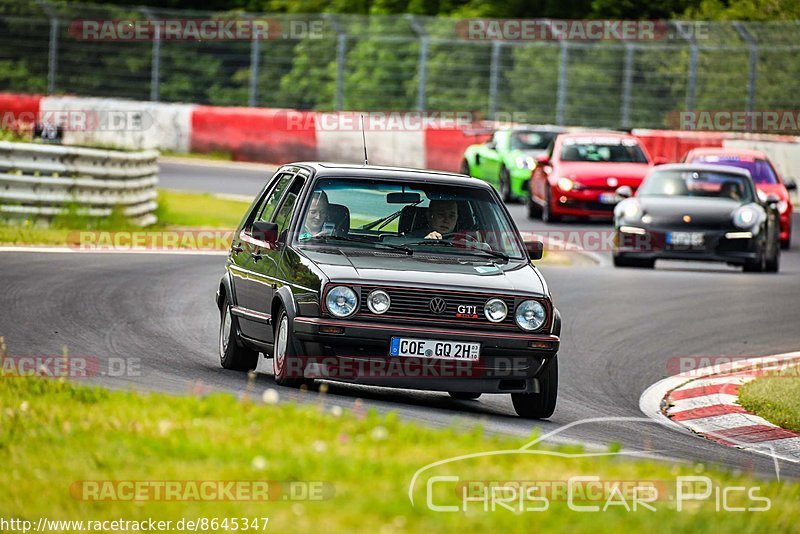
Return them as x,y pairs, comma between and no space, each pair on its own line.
412,218
571,153
339,215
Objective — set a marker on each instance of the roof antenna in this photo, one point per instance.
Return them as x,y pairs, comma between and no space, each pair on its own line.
364,139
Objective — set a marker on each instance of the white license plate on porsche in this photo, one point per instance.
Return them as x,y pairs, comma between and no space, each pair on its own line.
431,348
609,198
685,239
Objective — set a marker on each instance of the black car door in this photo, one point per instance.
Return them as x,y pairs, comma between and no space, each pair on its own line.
247,262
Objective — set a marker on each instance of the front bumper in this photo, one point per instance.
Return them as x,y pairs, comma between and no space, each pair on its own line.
716,247
359,353
582,202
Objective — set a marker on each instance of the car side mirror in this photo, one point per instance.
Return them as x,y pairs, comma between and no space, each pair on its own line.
266,232
772,199
791,184
543,159
535,249
624,191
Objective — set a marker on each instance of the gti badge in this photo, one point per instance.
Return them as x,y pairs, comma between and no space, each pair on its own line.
467,312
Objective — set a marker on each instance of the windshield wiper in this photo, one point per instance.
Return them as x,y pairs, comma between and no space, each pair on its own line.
470,250
351,239
385,220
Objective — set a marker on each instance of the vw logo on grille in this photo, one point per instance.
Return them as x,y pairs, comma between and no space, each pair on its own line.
437,305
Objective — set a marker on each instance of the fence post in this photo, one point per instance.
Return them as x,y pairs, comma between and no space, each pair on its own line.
155,61
422,64
52,51
493,77
627,84
255,52
691,82
561,97
752,73
341,49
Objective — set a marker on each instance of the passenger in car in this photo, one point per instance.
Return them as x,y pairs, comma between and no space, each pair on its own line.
316,217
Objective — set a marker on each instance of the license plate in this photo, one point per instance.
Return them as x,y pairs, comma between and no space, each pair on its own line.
609,198
431,348
685,239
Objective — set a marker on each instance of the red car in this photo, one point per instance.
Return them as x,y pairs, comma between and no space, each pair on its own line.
581,173
767,179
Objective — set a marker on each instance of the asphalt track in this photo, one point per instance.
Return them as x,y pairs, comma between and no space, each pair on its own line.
622,330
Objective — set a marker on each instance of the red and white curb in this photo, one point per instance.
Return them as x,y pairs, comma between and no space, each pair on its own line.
705,402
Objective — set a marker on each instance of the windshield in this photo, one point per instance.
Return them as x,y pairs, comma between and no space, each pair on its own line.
760,169
531,140
408,216
602,150
697,184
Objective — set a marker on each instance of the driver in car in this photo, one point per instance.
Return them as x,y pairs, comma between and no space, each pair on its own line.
442,218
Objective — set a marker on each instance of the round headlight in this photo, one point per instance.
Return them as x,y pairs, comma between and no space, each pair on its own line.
745,217
632,210
530,315
565,184
495,310
341,301
378,301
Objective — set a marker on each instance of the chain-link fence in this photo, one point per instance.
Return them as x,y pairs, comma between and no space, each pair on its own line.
331,62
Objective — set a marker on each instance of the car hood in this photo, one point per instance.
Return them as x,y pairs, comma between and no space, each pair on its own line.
593,174
702,211
428,270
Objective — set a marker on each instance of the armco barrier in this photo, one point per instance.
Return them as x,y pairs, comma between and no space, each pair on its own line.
445,146
117,123
17,107
255,134
43,181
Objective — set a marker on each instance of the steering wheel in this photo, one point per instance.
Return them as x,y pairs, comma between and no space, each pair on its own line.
464,240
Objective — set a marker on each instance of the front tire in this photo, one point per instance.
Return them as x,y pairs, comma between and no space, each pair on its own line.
460,395
505,186
286,365
539,405
547,214
465,168
620,261
233,354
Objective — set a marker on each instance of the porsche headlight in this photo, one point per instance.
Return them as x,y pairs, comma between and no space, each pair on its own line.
530,315
632,210
341,301
495,310
565,184
745,217
525,162
378,301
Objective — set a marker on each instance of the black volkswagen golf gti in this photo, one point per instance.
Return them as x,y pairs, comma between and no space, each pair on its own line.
390,277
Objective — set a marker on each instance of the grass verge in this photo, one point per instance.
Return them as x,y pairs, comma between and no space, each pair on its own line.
57,435
775,397
176,209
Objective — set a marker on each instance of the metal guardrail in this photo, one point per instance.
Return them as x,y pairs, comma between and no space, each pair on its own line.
43,181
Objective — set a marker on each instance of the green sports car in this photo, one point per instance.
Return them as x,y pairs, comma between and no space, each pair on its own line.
507,159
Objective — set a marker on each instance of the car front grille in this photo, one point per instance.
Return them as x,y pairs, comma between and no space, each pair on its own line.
408,304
